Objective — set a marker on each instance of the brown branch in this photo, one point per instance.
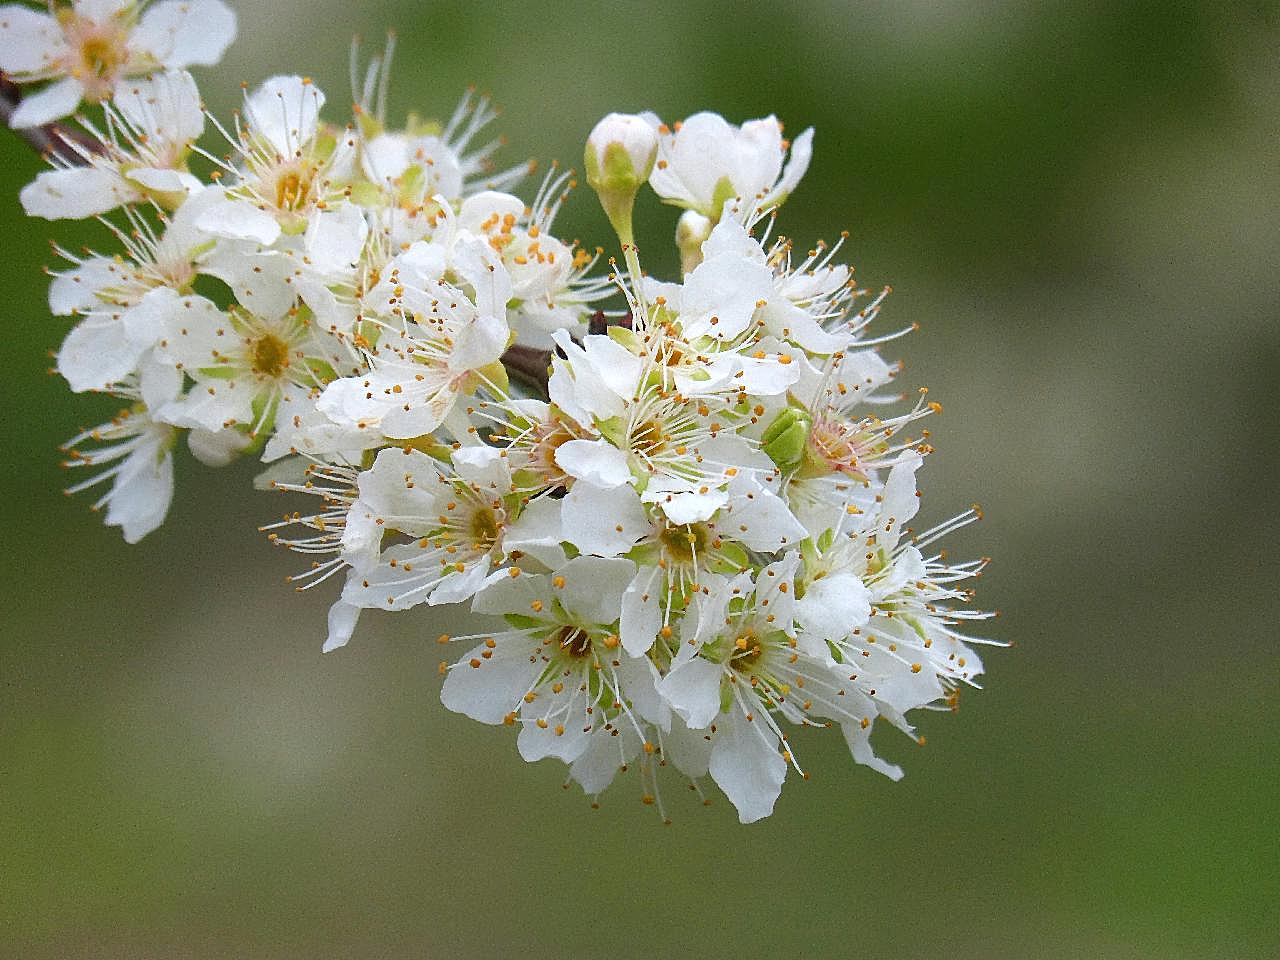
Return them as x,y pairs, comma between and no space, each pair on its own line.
528,366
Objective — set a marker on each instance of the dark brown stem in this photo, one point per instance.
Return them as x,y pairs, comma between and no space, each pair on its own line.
528,366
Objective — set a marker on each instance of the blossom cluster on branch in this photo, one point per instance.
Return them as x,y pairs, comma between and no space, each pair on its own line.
686,502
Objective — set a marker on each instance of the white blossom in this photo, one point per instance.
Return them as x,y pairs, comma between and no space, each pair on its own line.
706,161
683,502
87,47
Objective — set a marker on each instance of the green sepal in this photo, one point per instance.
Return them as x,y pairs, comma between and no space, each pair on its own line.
785,439
366,194
614,430
724,191
731,558
521,622
624,337
429,445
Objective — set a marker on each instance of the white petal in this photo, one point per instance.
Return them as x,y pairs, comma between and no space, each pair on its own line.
488,204
480,342
689,750
53,102
75,193
681,504
421,265
899,503
187,327
598,462
484,467
580,389
182,33
603,522
285,111
693,690
481,266
639,679
489,689
142,492
604,756
386,157
344,402
758,518
730,237
747,766
896,685
165,107
155,314
158,382
96,353
335,239
834,606
342,624
239,220
691,161
536,742
77,289
796,325
100,10
641,613
721,295
457,587
767,376
263,282
331,313
399,485
517,595
217,448
757,158
29,40
859,740
537,532
797,165
617,366
212,404
593,587
161,180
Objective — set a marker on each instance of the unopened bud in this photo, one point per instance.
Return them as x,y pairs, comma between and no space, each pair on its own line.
619,157
692,231
784,440
620,153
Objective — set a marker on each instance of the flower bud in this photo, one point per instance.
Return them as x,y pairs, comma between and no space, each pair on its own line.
692,231
619,157
784,440
620,153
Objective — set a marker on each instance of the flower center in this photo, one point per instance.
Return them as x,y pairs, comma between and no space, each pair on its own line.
574,641
746,651
841,447
648,438
293,188
101,53
485,528
548,438
681,545
270,356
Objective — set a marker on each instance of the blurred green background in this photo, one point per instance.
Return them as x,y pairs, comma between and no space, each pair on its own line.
1080,204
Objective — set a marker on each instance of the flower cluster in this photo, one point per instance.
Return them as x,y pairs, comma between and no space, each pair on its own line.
687,503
